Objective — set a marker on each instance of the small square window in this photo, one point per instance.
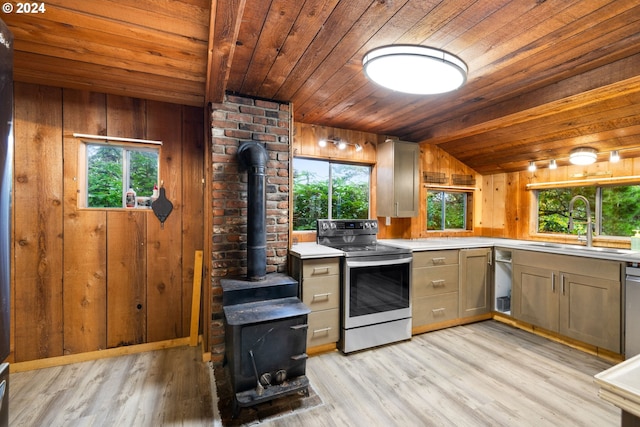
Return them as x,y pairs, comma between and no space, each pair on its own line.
118,176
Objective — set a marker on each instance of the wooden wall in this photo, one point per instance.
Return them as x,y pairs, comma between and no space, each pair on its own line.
90,279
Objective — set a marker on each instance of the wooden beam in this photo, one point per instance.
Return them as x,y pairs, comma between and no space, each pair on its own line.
226,17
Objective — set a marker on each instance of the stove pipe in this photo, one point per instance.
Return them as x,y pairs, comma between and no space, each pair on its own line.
253,156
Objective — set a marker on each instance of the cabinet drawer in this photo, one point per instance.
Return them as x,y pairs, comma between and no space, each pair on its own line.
431,258
324,327
321,293
435,280
321,267
434,309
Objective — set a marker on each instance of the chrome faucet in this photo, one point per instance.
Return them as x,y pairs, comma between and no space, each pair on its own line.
589,225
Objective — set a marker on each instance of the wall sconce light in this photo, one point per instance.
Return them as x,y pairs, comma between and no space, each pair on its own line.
340,144
553,164
614,157
583,156
532,166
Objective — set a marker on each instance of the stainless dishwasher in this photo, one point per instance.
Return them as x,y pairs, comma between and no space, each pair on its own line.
632,312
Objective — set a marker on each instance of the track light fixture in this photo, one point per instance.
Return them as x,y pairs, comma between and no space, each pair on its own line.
340,144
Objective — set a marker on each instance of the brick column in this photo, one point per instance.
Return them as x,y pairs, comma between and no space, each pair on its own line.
237,120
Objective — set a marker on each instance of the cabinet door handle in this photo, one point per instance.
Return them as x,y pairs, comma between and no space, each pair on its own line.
438,261
321,296
562,283
321,331
553,282
438,283
438,311
320,270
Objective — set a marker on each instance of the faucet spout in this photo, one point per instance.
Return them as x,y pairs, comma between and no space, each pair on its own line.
588,212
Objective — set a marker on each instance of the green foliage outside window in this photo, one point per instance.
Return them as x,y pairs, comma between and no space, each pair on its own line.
324,189
112,170
446,210
618,208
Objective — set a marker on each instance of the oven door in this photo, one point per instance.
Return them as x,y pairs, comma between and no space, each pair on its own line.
377,289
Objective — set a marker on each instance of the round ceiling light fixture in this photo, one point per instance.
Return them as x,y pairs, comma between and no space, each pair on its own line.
583,156
415,69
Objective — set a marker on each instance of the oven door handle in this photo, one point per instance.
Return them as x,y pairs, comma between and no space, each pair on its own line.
373,263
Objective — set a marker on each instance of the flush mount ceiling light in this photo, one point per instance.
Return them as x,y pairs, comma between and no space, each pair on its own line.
583,156
532,167
553,164
415,69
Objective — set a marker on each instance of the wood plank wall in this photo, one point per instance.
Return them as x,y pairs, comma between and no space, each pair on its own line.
90,279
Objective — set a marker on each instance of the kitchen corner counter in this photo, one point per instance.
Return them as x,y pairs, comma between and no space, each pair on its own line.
439,243
311,250
620,385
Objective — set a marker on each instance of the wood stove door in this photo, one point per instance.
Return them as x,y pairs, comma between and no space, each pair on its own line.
279,349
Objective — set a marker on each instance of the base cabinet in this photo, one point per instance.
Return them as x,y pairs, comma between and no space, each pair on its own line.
579,298
475,282
320,290
434,287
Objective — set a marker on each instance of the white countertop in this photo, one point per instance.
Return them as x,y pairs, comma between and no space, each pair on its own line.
620,385
313,250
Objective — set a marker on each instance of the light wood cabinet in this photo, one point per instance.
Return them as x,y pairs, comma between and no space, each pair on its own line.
320,290
398,179
475,282
434,287
579,298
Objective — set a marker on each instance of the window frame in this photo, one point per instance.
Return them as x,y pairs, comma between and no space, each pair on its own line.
468,210
329,163
596,211
128,147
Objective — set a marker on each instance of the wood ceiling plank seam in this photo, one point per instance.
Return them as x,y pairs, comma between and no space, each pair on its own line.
558,140
631,85
331,92
127,12
300,36
447,15
115,58
520,31
222,44
97,74
339,22
347,52
33,27
251,25
611,73
280,19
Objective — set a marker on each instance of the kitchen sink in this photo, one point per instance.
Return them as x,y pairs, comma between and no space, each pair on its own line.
580,248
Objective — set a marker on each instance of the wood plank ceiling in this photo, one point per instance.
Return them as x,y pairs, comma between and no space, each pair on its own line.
544,76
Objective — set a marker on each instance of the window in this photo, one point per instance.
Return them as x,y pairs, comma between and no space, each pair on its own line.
323,189
448,210
614,210
111,170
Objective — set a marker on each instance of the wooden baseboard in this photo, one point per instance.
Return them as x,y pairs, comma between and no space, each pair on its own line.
319,349
449,323
95,355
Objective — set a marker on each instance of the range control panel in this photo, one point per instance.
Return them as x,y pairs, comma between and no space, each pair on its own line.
346,227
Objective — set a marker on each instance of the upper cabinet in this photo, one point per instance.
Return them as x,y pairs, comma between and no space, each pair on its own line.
398,178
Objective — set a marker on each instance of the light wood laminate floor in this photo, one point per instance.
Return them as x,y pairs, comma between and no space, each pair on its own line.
484,374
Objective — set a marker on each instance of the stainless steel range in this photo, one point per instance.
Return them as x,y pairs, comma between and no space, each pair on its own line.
376,284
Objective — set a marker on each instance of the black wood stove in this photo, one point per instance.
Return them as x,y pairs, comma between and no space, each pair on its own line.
265,321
